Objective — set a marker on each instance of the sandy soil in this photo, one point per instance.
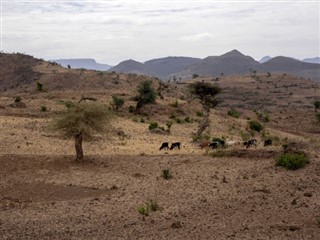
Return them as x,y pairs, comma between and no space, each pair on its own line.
52,197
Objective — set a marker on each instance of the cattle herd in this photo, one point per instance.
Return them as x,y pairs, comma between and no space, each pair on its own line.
218,143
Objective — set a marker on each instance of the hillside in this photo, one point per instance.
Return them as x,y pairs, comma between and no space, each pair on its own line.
230,192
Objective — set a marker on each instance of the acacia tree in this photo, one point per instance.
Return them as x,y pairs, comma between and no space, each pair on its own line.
146,94
206,93
81,121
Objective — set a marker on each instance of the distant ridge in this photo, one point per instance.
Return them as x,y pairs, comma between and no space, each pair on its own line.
230,63
86,63
312,60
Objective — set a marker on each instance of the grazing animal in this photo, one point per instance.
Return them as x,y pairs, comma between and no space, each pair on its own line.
214,145
164,145
252,142
175,145
232,143
204,145
267,142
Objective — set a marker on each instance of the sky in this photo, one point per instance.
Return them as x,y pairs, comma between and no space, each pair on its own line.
112,31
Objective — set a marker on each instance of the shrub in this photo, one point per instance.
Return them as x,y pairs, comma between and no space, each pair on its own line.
146,94
234,113
43,109
69,104
131,109
18,99
200,114
195,75
318,117
187,119
175,103
39,86
179,120
117,102
153,125
143,211
292,161
166,174
255,125
169,125
153,206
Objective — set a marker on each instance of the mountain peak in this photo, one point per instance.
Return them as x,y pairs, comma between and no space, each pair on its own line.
232,53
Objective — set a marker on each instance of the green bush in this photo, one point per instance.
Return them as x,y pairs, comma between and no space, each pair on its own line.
117,102
255,125
153,125
166,174
143,211
234,113
200,114
292,161
153,206
131,109
187,119
69,104
18,99
43,109
39,86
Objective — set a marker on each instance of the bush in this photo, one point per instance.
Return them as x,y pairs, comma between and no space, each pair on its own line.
39,86
175,104
166,174
146,94
234,113
69,104
200,114
153,125
117,103
131,109
292,161
318,117
187,119
255,125
43,109
143,211
18,99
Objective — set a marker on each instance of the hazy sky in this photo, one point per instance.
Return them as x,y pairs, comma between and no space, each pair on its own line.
113,30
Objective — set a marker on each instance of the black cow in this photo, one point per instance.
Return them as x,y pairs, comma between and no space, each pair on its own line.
252,142
175,145
214,145
267,142
164,145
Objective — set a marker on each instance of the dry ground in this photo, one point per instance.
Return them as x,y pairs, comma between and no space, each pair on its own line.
44,194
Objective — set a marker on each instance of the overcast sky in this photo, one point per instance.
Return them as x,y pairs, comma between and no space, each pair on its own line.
113,30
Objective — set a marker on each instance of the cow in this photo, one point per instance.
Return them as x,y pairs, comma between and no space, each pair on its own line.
252,142
175,145
267,142
214,145
232,143
164,145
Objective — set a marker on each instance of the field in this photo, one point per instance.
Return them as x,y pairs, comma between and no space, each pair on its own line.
229,193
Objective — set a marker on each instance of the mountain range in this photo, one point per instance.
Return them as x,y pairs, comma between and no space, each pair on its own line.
230,63
86,63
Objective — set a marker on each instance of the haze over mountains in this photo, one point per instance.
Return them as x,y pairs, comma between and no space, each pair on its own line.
231,63
86,63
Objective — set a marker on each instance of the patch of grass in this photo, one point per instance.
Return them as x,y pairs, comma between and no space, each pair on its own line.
292,161
143,211
255,125
166,174
200,114
187,119
18,99
175,103
153,125
43,109
153,206
234,113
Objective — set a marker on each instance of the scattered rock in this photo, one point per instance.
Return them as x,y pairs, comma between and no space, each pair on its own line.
114,187
307,194
294,202
293,228
224,180
176,224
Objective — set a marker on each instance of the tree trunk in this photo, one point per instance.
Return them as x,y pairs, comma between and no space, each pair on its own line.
204,123
78,146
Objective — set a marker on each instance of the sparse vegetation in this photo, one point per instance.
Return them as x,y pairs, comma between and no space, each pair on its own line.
146,94
200,114
39,87
292,161
43,109
206,93
233,113
18,99
153,125
255,125
81,121
117,102
316,105
151,206
166,174
143,211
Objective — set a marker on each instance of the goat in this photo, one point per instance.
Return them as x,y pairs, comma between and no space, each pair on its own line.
164,145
